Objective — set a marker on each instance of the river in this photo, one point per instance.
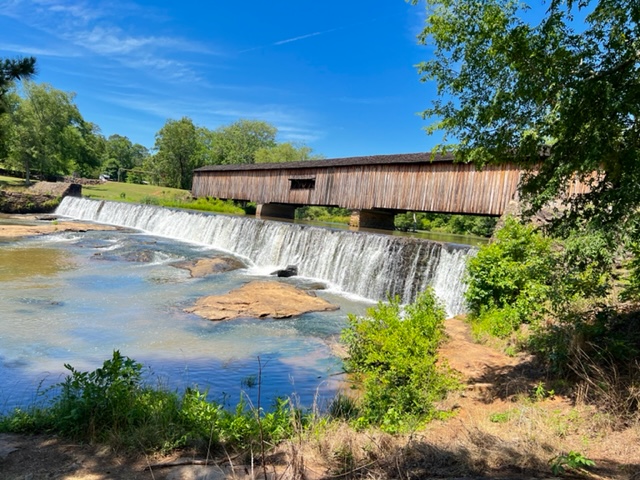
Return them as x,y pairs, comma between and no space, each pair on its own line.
75,297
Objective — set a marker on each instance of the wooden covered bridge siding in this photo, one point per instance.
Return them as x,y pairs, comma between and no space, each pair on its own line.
375,187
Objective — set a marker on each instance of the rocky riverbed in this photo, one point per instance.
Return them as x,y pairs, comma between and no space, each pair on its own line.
16,226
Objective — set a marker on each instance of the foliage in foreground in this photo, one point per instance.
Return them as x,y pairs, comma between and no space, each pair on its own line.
560,289
524,277
508,280
113,405
394,351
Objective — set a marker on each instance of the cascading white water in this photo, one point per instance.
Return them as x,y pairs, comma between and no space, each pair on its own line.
370,265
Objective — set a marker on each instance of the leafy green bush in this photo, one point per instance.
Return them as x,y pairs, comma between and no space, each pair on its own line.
559,287
395,353
111,404
100,401
569,463
509,280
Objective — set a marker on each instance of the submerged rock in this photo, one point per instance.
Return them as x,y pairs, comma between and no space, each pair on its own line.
260,300
141,256
210,266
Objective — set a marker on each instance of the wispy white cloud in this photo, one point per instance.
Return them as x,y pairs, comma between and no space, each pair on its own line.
37,51
212,114
92,28
299,135
142,69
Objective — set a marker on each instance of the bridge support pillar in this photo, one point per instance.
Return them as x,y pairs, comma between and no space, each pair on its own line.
372,219
276,210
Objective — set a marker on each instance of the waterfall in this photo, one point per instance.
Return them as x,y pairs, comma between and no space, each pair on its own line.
370,265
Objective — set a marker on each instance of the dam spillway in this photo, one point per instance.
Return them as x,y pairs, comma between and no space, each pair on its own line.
370,265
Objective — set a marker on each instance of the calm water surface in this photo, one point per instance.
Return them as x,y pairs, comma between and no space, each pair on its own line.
74,298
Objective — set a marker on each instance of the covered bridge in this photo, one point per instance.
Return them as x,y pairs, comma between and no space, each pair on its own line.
374,187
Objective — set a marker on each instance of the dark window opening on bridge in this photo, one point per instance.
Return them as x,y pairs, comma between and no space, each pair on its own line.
303,183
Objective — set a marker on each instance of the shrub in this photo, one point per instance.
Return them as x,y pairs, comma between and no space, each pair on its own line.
112,405
395,353
509,280
150,200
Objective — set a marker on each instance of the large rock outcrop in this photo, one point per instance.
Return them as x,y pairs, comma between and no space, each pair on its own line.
260,300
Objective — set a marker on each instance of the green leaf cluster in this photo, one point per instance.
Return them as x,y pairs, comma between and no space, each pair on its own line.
523,277
557,91
394,351
509,279
570,462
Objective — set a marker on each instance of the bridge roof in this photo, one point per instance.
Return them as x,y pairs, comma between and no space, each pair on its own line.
423,157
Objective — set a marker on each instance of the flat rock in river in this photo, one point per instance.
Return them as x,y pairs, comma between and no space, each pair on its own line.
209,266
260,300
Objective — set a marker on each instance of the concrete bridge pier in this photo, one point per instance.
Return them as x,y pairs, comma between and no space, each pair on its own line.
276,210
372,219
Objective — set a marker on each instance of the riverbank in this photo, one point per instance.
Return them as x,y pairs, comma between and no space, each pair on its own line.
507,424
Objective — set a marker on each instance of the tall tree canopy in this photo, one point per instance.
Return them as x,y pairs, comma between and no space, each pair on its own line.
239,141
512,83
12,70
285,152
177,145
121,156
49,135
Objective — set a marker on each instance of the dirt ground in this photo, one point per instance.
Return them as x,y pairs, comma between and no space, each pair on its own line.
500,430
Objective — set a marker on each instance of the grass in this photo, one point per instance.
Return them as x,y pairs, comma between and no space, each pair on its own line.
145,194
11,183
134,193
154,195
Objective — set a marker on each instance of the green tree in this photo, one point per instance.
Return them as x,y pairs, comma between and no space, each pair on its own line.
49,134
285,152
121,156
511,88
178,153
12,70
239,142
11,101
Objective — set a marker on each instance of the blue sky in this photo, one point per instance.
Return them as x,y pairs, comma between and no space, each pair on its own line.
337,75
